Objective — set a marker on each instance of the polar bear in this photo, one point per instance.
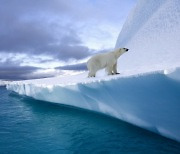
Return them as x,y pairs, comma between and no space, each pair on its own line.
105,60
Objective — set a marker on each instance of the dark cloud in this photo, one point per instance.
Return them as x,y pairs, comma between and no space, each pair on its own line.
16,72
24,73
25,37
79,67
32,38
13,71
29,29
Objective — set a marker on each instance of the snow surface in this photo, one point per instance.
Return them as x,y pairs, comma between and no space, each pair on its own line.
147,92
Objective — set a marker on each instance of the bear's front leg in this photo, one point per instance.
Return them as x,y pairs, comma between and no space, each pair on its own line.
115,69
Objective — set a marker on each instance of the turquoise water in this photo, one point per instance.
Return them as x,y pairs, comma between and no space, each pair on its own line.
31,126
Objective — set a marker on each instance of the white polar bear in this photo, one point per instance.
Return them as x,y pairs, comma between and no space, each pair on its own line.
105,60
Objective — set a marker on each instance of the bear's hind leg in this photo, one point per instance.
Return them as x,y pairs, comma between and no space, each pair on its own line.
92,73
109,70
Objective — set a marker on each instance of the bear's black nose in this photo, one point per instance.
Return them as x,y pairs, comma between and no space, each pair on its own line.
127,49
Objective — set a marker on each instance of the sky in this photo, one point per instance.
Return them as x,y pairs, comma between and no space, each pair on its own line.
42,38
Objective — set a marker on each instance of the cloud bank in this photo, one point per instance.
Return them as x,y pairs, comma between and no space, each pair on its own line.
64,30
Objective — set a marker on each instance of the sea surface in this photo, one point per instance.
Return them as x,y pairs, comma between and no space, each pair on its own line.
32,126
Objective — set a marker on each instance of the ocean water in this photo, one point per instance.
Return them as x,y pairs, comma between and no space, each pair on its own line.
31,126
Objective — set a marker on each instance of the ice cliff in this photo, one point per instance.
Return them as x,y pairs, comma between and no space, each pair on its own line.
147,92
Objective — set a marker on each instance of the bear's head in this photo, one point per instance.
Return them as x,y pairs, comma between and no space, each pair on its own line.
120,51
123,50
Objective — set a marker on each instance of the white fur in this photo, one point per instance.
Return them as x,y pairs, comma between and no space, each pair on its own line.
104,60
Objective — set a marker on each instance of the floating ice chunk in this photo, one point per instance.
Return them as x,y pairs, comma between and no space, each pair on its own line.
173,73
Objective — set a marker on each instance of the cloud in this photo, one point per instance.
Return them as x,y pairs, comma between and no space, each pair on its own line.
62,30
54,27
26,32
66,49
79,67
27,72
32,38
11,70
16,72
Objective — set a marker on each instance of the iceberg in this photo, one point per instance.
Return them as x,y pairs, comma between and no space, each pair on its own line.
147,92
150,100
4,82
